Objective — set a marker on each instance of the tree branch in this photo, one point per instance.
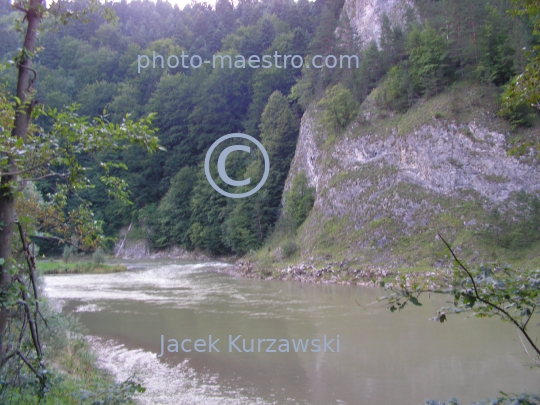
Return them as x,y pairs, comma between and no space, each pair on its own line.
29,365
62,240
530,316
30,169
20,8
522,328
461,265
62,175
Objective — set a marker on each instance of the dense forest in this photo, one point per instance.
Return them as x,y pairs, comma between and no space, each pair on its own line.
94,64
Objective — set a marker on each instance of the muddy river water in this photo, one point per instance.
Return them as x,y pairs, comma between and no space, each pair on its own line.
384,358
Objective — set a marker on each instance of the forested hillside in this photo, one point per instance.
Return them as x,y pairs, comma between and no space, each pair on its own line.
414,55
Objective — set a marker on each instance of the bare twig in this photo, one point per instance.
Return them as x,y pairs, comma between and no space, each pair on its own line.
29,365
360,305
522,328
9,356
20,8
461,265
32,318
530,316
536,361
62,175
124,241
32,325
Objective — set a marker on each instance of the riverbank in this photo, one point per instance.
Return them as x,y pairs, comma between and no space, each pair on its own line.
134,249
83,267
338,273
343,272
73,373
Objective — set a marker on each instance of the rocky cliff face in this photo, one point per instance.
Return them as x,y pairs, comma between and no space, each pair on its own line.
390,184
365,16
441,157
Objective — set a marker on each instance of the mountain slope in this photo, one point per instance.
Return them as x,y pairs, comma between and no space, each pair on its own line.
390,182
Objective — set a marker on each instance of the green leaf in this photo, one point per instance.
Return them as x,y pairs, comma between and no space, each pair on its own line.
469,300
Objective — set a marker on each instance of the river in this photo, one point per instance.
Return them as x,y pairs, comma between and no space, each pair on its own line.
384,358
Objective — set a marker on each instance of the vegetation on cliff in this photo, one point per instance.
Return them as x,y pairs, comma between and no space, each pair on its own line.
431,51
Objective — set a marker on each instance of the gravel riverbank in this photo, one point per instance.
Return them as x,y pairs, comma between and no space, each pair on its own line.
332,273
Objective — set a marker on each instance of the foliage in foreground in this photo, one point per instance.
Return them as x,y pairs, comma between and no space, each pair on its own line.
505,399
74,380
58,151
512,295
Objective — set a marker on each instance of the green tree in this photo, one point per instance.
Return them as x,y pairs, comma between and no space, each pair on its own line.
174,101
98,257
279,131
207,207
67,253
249,221
496,63
109,35
242,227
267,81
174,211
428,60
125,101
398,90
221,104
339,107
298,202
93,97
525,87
392,43
370,72
29,153
324,38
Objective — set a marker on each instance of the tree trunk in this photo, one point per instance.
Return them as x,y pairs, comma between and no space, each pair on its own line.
7,214
25,84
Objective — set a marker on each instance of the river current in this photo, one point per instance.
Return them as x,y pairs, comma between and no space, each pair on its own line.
384,358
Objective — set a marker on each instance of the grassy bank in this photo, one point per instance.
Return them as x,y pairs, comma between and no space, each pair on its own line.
73,376
60,267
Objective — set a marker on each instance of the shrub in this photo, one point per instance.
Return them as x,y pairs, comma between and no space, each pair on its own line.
397,94
519,116
299,201
340,108
518,228
264,266
98,257
67,253
289,248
